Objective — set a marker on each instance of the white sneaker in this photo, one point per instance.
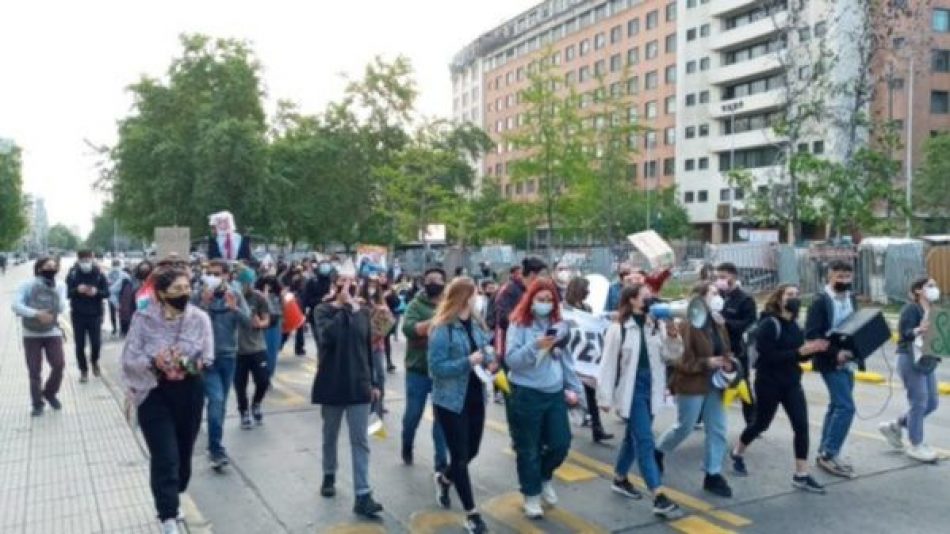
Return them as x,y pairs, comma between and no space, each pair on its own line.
532,507
170,526
922,453
893,434
548,494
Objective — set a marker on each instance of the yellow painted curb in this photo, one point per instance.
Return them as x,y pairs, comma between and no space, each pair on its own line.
869,376
944,388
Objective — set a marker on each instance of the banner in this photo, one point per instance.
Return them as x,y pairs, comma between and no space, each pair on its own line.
586,340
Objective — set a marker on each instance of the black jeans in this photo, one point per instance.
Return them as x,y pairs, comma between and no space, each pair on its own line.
91,327
256,366
592,409
112,312
170,418
770,392
389,344
463,435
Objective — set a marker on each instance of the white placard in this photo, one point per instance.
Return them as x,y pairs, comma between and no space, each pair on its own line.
657,251
173,240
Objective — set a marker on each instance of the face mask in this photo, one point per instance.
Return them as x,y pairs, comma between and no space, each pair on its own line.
325,269
211,281
564,277
371,291
85,266
542,309
142,275
434,290
793,305
722,285
179,303
716,304
841,287
247,277
48,275
932,293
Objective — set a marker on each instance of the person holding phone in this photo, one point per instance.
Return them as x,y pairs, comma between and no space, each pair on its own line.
458,343
544,384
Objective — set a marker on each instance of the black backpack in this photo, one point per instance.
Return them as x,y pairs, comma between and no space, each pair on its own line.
751,334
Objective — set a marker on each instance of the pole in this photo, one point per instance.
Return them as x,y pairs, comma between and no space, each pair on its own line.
646,177
908,167
732,163
115,233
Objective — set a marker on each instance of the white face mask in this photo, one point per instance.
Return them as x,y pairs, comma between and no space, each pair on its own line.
932,293
477,304
211,282
86,266
716,304
564,277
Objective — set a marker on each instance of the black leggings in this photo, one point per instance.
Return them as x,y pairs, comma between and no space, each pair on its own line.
256,366
769,394
592,409
463,435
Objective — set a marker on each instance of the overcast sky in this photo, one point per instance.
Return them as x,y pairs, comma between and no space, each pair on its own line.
65,65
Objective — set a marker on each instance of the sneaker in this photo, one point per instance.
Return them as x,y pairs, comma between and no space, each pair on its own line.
365,506
96,372
407,455
83,377
738,465
548,495
659,460
219,460
327,489
664,507
834,467
246,423
442,487
257,414
37,411
807,483
625,488
532,507
601,435
922,453
170,526
53,402
893,434
475,525
717,485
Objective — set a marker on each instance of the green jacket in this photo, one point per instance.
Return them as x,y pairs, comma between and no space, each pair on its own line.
421,309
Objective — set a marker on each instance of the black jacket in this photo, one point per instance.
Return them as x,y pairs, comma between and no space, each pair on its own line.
84,305
315,290
739,313
344,373
243,253
778,349
818,323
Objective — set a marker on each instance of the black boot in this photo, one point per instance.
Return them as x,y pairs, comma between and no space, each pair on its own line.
367,507
717,485
328,489
601,435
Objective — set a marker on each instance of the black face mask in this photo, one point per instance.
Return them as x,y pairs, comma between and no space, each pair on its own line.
141,275
841,287
434,290
179,302
49,276
793,305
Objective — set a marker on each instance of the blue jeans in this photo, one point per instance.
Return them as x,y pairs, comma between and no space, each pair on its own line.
840,412
638,440
922,395
217,380
418,387
688,408
272,339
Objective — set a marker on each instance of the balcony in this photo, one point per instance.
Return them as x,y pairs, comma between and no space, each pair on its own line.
739,141
746,70
767,101
750,32
721,8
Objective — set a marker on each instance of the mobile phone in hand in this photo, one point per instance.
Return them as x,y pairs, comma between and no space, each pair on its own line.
551,332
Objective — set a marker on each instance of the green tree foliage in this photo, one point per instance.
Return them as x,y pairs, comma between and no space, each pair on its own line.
62,238
107,234
931,194
13,222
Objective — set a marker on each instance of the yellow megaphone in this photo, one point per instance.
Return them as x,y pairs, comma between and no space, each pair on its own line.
501,382
376,427
741,390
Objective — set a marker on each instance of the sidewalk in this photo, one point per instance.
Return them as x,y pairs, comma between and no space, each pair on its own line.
80,470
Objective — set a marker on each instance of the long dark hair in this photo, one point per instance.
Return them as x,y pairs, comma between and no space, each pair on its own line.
40,262
269,281
576,292
164,277
774,304
625,309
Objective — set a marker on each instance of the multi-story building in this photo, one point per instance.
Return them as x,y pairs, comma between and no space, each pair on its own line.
467,105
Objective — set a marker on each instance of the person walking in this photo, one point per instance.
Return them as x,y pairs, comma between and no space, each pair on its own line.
457,349
739,314
345,387
396,308
167,348
39,302
122,295
381,322
316,289
114,278
544,384
781,347
87,287
706,351
415,327
270,287
252,352
632,383
917,370
228,310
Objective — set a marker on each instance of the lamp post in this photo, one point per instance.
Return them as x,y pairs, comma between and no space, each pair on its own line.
908,163
731,108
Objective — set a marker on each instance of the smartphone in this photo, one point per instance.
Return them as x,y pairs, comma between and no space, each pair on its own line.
552,332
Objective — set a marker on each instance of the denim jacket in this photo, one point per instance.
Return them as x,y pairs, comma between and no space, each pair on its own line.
449,349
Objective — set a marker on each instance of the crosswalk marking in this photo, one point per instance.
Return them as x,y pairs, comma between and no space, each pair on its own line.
568,472
431,522
354,528
695,524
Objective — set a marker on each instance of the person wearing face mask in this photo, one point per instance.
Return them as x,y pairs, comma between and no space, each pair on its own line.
415,327
543,385
39,302
562,277
510,295
917,373
252,352
396,308
87,287
706,350
738,314
381,322
829,309
167,347
270,287
142,287
632,382
781,347
121,296
316,289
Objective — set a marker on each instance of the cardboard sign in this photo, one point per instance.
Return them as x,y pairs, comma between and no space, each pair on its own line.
657,251
173,240
937,339
586,341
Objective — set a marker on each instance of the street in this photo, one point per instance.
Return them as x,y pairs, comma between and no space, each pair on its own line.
272,484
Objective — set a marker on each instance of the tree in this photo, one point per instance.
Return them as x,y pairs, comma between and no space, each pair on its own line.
13,221
931,199
194,144
106,233
62,238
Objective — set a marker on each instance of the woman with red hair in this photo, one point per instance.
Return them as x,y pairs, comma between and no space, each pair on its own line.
543,384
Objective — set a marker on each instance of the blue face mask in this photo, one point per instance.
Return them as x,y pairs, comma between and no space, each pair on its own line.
247,277
325,269
542,309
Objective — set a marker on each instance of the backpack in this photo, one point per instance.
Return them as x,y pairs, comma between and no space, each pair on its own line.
43,298
751,334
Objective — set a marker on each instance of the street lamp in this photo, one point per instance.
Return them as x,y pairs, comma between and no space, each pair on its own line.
731,108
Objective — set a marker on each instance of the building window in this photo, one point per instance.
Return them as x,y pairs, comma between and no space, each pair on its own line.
940,102
585,47
671,12
649,140
670,105
520,74
670,135
570,78
804,35
670,43
509,77
616,63
704,97
508,190
691,34
704,30
633,27
802,148
821,28
941,60
818,147
633,85
616,34
600,41
690,132
725,195
653,18
633,114
652,49
704,130
584,74
690,67
600,68
651,81
669,166
690,164
633,56
753,87
519,188
632,172
649,169
897,84
804,73
690,4
703,196
750,158
703,163
739,193
569,53
691,100
670,74
650,109
687,196
616,89
941,20
704,63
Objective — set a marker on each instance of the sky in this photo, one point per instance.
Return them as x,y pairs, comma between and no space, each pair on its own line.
66,65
